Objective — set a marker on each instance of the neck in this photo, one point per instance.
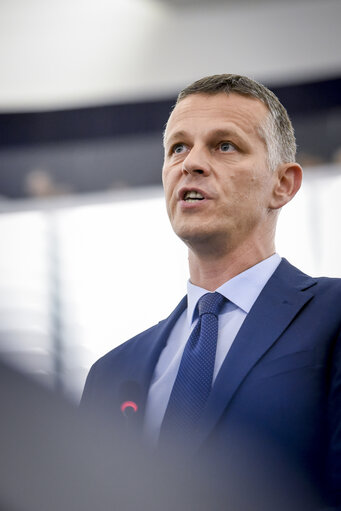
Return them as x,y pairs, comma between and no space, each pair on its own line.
211,270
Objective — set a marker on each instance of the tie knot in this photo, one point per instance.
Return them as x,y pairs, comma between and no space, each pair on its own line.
210,303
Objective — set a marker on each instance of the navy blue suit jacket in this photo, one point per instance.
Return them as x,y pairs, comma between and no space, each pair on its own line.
282,375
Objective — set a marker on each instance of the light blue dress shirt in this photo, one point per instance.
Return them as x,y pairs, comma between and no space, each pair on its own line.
241,292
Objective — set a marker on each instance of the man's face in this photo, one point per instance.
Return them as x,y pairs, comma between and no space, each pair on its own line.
217,182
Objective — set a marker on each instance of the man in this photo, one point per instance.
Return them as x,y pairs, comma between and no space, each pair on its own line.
266,362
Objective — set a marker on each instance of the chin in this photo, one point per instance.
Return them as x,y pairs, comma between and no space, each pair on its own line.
192,236
187,232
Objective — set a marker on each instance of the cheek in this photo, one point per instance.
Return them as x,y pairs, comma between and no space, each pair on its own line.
245,191
165,178
169,177
241,185
168,186
163,175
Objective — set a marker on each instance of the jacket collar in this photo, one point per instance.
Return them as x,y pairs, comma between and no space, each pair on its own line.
145,352
286,292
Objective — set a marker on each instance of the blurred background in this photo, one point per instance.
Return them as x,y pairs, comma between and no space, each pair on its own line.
86,88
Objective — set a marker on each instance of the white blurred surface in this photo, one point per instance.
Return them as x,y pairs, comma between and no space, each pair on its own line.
80,52
308,232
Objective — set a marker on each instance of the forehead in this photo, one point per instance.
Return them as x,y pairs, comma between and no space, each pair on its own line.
211,111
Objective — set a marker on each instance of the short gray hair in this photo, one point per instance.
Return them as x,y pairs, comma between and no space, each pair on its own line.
277,130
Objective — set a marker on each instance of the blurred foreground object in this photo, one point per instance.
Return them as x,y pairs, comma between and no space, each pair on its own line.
48,458
53,459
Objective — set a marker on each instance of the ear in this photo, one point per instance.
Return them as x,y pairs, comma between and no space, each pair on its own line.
287,182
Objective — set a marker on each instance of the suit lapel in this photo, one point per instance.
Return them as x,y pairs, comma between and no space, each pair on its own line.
286,292
139,367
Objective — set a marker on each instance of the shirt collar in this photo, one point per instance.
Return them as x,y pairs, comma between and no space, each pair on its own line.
242,290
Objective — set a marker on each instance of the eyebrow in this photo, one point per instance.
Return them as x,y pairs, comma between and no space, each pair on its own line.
226,132
178,134
218,133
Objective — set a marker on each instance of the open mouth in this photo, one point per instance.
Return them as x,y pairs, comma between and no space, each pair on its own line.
193,196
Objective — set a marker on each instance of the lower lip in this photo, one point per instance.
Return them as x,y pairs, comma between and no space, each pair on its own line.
193,205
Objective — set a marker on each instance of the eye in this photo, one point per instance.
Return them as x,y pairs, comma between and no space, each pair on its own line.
178,148
226,147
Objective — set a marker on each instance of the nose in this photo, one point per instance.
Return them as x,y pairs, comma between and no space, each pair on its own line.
196,162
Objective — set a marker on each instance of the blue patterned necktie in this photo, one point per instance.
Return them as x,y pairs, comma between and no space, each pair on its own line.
194,379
